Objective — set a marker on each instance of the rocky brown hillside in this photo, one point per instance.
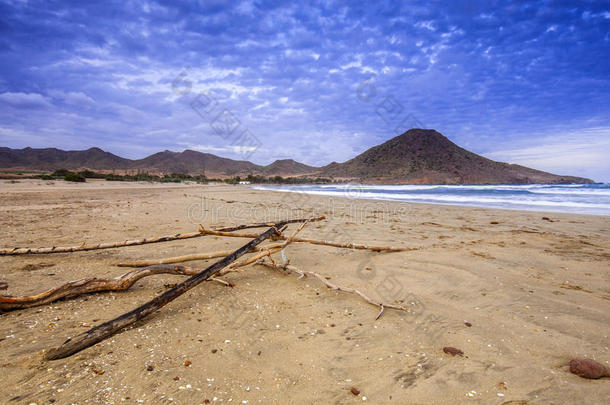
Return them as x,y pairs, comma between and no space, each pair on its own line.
424,156
287,167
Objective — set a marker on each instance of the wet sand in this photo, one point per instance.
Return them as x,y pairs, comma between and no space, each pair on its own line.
536,293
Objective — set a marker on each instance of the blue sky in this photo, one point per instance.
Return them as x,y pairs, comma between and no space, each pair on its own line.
525,82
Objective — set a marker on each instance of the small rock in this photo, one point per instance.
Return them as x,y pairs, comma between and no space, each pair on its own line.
187,363
355,391
468,324
452,351
98,372
150,368
587,368
214,350
3,285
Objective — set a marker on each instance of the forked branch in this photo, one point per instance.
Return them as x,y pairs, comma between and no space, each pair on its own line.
333,286
101,332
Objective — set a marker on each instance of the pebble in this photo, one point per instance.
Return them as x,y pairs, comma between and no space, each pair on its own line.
355,391
453,351
587,368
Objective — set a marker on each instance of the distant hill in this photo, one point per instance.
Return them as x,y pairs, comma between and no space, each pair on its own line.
52,158
287,167
419,156
193,162
188,161
424,156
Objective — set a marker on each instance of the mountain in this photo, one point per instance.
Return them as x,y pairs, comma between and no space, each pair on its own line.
419,156
287,167
188,161
52,158
193,162
424,156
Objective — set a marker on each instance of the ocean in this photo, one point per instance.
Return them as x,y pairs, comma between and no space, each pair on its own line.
572,198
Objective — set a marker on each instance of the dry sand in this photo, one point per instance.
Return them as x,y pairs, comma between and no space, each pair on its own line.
536,293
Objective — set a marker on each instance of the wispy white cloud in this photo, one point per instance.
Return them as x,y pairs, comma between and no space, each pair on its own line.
24,100
585,152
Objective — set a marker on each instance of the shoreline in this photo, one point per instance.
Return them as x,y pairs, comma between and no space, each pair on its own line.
551,207
35,185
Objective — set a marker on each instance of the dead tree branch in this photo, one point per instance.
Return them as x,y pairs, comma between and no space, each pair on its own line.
140,241
188,258
333,286
314,242
109,328
125,281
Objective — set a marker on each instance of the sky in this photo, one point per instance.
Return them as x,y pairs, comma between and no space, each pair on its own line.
524,82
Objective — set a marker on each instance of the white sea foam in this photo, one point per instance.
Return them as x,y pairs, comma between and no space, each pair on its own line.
574,198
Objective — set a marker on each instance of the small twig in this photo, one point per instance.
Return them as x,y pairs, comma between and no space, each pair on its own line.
221,281
380,312
303,273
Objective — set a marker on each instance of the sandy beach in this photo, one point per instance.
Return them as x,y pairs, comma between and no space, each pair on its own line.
535,291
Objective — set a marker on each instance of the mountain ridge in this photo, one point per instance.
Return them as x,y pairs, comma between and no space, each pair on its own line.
418,156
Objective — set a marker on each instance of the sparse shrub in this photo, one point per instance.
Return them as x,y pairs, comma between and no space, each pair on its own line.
114,177
60,173
88,174
75,177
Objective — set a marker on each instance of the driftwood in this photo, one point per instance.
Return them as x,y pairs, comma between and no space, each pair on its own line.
188,258
324,280
121,283
134,242
109,328
312,241
90,285
125,281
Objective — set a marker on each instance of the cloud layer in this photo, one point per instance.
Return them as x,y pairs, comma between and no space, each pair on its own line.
315,81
